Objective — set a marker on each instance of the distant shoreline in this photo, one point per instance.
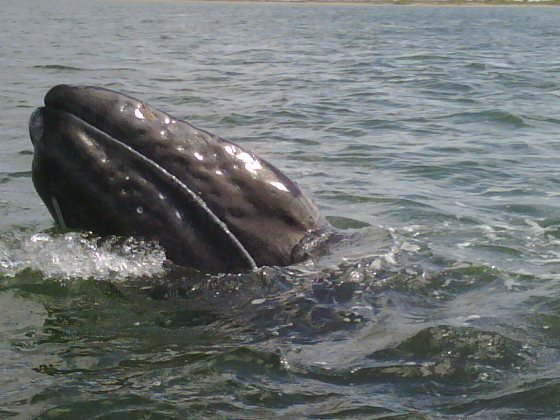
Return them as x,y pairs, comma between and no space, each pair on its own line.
445,3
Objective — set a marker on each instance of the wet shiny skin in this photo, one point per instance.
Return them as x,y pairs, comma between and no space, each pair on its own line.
110,163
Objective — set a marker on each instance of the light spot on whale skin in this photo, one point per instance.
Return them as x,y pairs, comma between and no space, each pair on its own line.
139,209
124,192
138,114
251,164
161,196
279,185
86,140
178,215
218,172
249,161
180,148
166,120
58,212
230,149
198,156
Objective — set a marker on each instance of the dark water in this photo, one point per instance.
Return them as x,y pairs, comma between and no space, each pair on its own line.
429,136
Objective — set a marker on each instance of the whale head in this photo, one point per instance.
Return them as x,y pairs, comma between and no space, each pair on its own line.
111,164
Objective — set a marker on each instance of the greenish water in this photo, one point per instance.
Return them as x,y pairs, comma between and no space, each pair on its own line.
429,136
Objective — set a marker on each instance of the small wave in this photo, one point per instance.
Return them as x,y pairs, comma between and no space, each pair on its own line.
544,118
424,57
499,117
440,87
341,222
6,177
74,255
20,174
476,66
57,67
462,353
506,191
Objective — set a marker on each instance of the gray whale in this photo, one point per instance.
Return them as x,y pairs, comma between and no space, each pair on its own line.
111,164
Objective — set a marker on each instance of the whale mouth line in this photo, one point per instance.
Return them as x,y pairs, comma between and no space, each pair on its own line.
36,132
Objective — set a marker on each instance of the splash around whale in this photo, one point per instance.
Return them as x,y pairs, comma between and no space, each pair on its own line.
108,163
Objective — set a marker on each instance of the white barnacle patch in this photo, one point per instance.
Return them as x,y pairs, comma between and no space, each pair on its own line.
180,148
166,120
279,186
198,156
178,215
143,112
139,209
218,172
251,164
161,196
230,149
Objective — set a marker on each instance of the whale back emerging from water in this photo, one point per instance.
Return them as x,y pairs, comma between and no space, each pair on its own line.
111,164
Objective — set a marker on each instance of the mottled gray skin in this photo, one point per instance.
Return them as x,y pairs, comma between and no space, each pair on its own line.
111,164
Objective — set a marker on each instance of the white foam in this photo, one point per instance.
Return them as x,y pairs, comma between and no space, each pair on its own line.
73,255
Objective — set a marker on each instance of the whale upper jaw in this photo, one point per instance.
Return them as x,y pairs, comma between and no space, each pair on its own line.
111,164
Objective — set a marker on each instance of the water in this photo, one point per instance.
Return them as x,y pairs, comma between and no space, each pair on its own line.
429,136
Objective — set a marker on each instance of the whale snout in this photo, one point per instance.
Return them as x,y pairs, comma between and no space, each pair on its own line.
36,126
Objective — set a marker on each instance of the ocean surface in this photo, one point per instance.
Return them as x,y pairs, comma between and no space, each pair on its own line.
428,136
